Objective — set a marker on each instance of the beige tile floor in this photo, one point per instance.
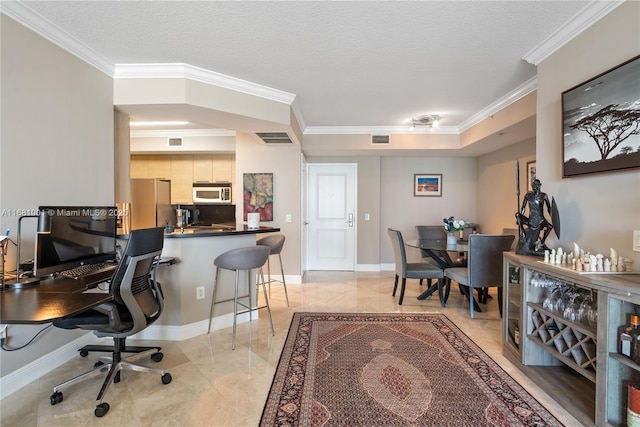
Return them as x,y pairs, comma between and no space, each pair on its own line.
215,386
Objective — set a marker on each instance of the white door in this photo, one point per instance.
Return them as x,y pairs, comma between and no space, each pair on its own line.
331,216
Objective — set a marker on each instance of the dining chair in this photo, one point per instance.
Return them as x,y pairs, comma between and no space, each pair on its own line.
484,266
414,270
512,232
430,232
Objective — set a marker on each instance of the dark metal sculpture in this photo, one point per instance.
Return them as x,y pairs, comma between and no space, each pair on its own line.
535,228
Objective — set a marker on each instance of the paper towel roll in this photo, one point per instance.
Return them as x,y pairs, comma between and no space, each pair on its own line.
253,220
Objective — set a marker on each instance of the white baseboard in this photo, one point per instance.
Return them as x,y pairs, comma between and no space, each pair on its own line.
387,267
368,267
34,370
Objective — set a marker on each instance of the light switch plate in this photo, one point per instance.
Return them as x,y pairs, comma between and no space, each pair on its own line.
636,240
288,218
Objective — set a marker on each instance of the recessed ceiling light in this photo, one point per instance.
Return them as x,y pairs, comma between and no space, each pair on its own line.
160,123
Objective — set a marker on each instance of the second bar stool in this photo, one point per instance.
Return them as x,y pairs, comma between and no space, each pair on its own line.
275,243
249,258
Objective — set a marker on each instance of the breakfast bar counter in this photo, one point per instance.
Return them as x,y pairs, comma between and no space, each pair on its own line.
186,312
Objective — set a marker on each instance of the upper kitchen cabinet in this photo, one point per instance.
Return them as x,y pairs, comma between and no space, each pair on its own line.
203,168
223,167
213,168
183,170
150,166
181,179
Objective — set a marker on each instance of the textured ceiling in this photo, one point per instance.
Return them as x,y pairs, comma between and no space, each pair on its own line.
361,63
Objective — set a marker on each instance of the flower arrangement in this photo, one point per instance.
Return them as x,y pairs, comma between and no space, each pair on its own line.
451,225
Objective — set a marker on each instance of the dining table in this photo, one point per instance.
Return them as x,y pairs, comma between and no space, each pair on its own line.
440,251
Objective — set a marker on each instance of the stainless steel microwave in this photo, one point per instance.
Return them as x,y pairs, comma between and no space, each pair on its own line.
211,192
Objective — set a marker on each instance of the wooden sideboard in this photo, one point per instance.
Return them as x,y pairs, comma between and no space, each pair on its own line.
575,362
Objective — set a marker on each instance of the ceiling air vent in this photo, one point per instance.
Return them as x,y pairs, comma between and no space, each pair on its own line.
379,139
274,137
175,142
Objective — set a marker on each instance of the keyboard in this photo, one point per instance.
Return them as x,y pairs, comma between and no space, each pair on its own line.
87,270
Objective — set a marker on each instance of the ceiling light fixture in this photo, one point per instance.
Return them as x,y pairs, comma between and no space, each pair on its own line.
160,123
429,120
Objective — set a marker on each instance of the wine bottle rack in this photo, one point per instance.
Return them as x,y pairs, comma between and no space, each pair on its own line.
574,343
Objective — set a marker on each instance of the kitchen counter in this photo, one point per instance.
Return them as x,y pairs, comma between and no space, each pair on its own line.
186,314
217,230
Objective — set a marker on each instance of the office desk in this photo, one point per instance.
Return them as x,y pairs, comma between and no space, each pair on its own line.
52,299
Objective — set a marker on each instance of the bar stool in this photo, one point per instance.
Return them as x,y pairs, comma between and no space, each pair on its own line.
275,243
249,258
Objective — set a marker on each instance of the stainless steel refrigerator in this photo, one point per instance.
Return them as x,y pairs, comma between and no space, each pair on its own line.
151,203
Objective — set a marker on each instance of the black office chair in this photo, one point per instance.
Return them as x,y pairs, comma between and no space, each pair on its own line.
137,303
413,270
484,266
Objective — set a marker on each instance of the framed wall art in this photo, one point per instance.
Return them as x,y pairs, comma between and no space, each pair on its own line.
601,122
531,174
258,195
427,185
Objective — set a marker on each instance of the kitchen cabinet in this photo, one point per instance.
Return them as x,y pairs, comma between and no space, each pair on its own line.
203,168
223,168
150,166
159,167
181,179
183,170
575,361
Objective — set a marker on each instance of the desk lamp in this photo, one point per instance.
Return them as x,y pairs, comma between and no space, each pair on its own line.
44,225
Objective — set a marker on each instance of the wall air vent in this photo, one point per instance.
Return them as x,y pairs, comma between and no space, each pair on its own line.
175,142
274,137
379,139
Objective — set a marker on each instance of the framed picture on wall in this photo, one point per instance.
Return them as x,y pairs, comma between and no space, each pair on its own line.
531,174
258,195
427,185
601,122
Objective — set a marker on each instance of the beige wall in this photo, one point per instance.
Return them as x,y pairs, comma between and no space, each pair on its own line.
399,208
598,211
122,158
285,164
56,147
496,189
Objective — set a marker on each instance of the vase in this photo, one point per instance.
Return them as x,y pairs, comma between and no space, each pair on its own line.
451,239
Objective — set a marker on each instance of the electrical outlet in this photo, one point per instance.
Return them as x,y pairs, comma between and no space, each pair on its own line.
367,217
3,332
288,218
200,292
636,240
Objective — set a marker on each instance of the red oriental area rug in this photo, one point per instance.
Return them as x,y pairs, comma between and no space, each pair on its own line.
363,369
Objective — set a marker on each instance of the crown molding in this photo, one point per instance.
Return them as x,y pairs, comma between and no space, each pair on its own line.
521,91
179,70
176,133
377,130
23,14
590,14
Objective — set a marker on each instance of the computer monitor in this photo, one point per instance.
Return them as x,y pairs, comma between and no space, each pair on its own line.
71,236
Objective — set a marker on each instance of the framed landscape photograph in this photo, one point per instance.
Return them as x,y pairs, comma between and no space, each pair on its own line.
427,185
601,122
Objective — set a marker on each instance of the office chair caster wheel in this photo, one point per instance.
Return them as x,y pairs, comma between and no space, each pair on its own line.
56,398
156,357
84,353
101,409
97,364
166,378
